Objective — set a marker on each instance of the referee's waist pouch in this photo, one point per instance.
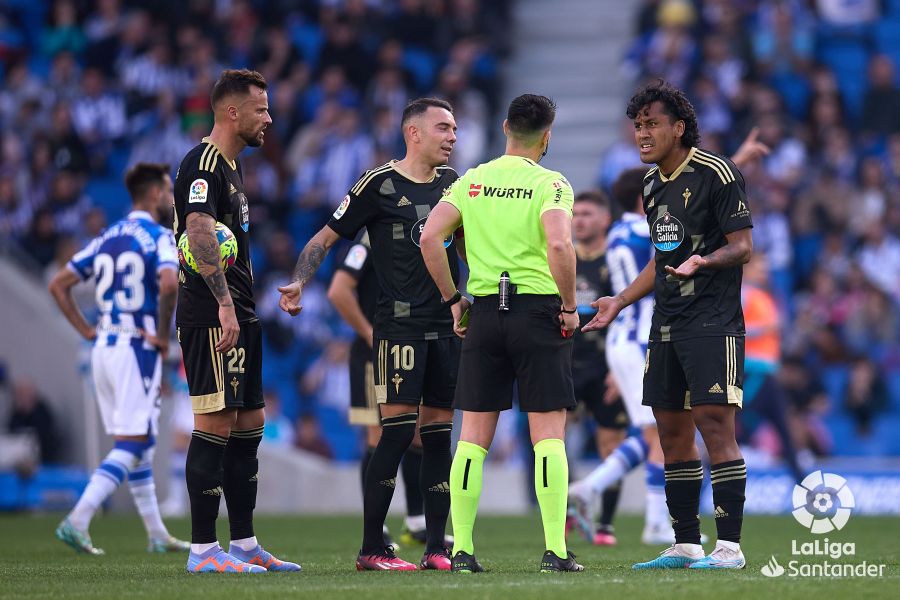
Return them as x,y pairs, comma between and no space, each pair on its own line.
519,302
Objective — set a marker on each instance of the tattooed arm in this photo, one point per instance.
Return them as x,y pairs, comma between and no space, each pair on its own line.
201,232
307,263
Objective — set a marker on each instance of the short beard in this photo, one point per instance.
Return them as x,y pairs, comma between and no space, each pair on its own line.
252,141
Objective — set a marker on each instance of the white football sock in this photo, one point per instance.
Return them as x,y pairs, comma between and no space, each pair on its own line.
143,491
201,548
690,550
108,476
733,546
629,454
246,544
657,511
415,523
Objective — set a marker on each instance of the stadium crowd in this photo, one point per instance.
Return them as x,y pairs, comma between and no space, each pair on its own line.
92,87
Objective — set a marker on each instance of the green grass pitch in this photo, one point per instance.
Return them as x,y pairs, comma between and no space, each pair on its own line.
33,564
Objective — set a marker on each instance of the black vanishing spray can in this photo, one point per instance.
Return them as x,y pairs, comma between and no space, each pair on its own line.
504,291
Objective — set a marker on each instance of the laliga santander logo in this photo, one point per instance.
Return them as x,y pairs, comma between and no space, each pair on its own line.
822,502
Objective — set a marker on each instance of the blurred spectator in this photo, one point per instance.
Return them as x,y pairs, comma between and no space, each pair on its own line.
866,393
63,32
98,115
68,150
342,48
345,152
807,406
15,211
842,12
161,137
668,51
309,436
67,203
327,378
470,111
40,241
31,414
879,258
279,430
881,104
619,156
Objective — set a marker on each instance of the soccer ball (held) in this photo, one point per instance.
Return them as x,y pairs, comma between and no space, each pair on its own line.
228,250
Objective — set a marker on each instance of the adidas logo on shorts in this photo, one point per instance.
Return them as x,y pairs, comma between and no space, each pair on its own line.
716,389
391,483
720,513
216,491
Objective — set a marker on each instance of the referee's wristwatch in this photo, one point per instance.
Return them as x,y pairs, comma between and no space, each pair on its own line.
453,299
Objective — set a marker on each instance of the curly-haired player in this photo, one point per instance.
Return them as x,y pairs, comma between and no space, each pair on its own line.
700,227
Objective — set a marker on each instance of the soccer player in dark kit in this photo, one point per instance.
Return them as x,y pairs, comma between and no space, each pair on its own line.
700,224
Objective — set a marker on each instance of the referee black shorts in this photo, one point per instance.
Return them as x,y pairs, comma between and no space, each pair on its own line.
523,344
217,381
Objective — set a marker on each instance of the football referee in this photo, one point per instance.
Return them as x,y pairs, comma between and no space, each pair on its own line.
517,218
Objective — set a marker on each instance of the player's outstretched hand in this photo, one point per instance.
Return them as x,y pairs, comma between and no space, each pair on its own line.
460,324
290,298
607,309
687,269
230,328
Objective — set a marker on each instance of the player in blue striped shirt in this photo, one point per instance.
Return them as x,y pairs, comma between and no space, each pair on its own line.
134,268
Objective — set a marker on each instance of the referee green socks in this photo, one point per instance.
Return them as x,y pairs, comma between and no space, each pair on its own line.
551,484
465,490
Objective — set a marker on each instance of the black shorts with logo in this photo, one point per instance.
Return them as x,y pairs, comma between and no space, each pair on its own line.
521,345
416,371
363,407
217,381
685,373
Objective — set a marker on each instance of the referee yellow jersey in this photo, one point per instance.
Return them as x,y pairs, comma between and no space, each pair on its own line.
501,203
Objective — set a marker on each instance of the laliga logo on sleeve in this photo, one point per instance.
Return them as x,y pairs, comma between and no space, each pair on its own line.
198,192
822,502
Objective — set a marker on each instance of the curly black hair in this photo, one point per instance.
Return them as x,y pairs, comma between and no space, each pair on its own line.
675,104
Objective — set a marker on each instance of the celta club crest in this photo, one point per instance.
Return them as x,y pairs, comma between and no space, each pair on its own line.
474,190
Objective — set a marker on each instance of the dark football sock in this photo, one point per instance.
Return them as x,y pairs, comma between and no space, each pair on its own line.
683,481
364,466
729,480
241,467
436,459
381,478
609,503
203,474
411,469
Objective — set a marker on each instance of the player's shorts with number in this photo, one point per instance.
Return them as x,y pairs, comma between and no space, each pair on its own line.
126,381
223,380
416,371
